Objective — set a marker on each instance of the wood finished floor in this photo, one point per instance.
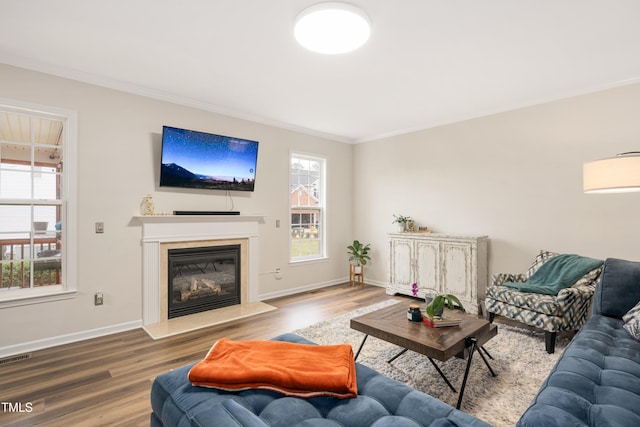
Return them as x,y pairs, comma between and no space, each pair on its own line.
106,381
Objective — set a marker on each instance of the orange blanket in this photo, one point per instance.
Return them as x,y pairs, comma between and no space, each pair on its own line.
299,370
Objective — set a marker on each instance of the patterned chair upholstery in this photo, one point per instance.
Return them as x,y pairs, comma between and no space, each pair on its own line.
567,311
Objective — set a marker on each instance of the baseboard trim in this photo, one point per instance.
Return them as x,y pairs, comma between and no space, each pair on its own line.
122,327
300,289
377,283
67,339
307,288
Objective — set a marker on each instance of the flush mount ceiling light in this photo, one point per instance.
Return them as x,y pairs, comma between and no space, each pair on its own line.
618,174
332,28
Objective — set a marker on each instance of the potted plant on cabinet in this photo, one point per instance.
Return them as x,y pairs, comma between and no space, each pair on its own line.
402,221
358,257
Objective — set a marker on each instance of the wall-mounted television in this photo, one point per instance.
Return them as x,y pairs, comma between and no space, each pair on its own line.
192,159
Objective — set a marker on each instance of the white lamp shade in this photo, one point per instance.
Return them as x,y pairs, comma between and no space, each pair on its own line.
332,28
614,175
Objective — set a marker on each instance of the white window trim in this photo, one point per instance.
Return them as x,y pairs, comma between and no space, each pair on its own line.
69,288
323,183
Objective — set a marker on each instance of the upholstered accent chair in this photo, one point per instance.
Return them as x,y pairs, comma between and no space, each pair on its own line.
566,311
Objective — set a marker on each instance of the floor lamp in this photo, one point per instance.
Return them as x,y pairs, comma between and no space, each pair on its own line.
619,174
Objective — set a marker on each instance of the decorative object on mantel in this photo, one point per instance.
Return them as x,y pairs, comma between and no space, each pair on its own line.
423,229
402,221
147,207
618,174
358,257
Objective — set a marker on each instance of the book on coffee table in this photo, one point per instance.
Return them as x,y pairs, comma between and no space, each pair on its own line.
441,322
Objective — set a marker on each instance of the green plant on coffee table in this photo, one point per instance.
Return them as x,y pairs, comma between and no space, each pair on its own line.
440,301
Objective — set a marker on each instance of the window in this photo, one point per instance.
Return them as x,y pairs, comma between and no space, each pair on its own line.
33,203
307,207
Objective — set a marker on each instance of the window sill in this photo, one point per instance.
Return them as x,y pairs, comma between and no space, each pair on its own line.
308,261
21,297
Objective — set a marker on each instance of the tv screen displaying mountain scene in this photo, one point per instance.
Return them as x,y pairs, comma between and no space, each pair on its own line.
192,159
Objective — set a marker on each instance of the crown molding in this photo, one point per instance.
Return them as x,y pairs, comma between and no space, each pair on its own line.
84,77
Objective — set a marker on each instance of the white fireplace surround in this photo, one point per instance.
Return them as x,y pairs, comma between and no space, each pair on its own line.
160,230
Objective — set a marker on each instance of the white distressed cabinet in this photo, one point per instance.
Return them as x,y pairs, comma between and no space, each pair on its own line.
448,263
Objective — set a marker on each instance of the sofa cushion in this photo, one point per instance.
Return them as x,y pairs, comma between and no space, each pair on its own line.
539,303
619,288
381,402
632,321
595,382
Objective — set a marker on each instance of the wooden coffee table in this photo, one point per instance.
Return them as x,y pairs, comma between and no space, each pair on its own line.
390,324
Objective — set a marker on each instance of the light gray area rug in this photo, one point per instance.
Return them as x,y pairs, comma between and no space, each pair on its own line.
519,360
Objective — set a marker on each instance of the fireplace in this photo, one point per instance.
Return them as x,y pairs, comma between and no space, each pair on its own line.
161,233
203,278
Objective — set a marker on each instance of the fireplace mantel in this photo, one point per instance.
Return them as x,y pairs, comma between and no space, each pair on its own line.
160,229
197,218
178,226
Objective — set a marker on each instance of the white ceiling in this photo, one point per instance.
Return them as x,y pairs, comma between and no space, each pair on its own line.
428,62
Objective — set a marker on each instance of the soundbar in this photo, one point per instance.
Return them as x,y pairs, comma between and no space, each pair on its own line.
206,212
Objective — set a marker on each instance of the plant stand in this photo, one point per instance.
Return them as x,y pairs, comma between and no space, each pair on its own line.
356,275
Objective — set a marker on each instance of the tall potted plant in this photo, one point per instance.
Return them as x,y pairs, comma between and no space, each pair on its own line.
358,254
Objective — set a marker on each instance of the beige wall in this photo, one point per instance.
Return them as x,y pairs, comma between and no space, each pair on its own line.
119,139
515,177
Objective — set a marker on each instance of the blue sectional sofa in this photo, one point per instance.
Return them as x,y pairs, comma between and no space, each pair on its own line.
596,382
381,402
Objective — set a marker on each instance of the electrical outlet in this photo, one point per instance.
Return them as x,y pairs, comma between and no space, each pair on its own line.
278,274
277,223
98,298
99,227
